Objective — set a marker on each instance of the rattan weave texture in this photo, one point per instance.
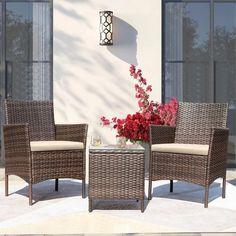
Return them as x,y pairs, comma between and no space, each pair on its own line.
195,120
116,174
38,114
34,121
197,123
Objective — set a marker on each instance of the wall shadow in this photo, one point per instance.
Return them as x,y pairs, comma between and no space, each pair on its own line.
124,41
232,181
71,49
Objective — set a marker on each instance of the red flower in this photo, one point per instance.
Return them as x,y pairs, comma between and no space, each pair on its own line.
136,126
132,70
104,120
114,119
168,112
149,88
140,104
147,115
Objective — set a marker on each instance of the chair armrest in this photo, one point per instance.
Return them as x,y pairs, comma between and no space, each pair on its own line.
72,132
161,134
17,148
218,146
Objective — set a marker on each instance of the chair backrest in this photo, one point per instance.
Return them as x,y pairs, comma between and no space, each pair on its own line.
194,121
38,114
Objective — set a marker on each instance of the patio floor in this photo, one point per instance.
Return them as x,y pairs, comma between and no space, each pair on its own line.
65,212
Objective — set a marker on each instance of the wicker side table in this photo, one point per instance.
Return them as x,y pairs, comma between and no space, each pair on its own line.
116,173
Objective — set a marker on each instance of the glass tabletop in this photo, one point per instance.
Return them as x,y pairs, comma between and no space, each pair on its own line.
114,147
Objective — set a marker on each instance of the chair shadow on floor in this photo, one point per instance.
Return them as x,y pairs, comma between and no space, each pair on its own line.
187,192
232,181
44,191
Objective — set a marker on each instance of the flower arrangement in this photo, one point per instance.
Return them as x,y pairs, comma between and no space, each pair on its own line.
135,127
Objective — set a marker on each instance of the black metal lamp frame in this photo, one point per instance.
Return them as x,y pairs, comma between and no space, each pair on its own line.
106,28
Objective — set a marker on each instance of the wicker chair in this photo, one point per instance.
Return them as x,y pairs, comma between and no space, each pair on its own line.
37,150
194,151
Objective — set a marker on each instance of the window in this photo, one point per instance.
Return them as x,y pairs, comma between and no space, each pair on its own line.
27,58
199,55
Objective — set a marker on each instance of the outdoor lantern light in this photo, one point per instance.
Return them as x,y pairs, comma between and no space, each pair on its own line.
106,27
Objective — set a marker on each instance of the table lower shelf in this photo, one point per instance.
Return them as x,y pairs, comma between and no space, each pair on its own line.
90,208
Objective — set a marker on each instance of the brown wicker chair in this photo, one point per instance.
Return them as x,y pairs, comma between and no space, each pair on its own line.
195,150
37,150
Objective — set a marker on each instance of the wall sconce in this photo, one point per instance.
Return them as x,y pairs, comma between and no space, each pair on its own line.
106,27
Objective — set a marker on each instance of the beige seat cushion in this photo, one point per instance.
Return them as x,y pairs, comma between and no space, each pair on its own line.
196,149
37,146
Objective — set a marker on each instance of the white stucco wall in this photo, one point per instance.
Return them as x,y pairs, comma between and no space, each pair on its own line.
92,80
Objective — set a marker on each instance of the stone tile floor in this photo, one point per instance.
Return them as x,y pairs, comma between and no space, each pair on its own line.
65,212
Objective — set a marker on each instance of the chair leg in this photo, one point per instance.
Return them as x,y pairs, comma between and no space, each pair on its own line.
90,205
171,185
206,197
56,184
150,189
223,187
30,194
6,185
83,189
142,205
